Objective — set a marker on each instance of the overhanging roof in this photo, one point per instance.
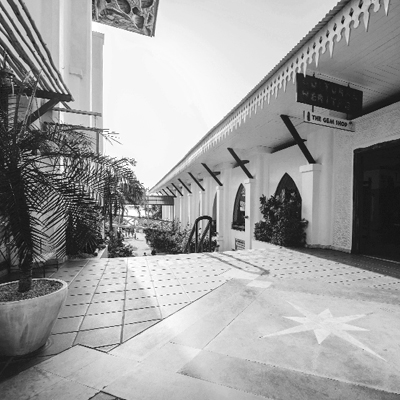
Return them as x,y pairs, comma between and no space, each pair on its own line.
356,44
22,45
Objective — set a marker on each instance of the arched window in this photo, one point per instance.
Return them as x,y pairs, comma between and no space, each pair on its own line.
239,209
287,183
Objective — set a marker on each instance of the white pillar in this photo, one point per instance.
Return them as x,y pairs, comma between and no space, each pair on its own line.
249,186
310,196
220,216
189,208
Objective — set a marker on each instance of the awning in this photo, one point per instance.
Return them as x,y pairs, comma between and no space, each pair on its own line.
23,50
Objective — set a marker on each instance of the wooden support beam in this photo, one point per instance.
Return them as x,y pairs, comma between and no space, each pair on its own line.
173,194
177,189
240,163
166,192
42,110
213,174
198,183
298,139
183,184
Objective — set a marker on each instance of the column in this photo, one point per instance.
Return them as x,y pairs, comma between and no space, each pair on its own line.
220,217
249,185
310,180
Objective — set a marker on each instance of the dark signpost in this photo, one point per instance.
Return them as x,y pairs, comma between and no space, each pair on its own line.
324,94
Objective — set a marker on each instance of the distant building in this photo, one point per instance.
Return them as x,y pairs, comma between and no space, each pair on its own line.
325,121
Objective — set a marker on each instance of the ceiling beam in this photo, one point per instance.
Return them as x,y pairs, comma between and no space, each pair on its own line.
240,163
177,189
198,183
42,110
213,174
173,194
286,120
183,184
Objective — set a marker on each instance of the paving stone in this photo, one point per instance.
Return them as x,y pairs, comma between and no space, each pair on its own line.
167,310
73,310
141,384
274,382
105,307
66,390
101,320
69,324
141,315
78,299
100,337
103,371
171,357
171,299
27,384
141,302
131,330
69,361
109,296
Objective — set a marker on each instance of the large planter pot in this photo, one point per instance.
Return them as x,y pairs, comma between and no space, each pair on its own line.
25,325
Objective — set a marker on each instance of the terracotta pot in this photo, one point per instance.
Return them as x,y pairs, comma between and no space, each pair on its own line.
25,325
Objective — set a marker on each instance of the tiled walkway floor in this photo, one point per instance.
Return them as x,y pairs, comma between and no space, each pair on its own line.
111,300
275,324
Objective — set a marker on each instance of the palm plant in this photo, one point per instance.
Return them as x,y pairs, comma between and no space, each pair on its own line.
51,183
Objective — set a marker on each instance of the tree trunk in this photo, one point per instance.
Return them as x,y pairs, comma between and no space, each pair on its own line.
25,279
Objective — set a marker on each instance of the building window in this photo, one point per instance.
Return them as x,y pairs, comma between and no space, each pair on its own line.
239,209
287,183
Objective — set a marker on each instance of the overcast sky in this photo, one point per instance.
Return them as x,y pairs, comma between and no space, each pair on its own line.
163,94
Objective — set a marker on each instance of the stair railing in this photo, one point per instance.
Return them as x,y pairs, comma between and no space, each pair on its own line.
199,242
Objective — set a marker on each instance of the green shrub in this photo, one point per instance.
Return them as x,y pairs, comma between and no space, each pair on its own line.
282,224
117,248
168,238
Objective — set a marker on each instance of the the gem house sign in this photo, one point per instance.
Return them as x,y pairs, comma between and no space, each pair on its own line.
132,15
329,95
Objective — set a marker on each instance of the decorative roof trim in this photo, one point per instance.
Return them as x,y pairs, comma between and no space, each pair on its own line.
336,25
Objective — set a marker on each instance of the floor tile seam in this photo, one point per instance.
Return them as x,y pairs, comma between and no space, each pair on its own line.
260,292
84,316
181,285
245,262
328,295
232,266
121,335
74,277
240,390
154,289
304,373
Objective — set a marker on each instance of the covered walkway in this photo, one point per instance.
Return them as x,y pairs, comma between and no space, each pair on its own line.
257,324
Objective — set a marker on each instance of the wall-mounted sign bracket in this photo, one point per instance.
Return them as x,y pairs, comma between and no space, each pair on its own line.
197,182
213,174
297,139
177,189
240,163
183,184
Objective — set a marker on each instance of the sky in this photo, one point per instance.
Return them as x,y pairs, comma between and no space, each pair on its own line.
162,94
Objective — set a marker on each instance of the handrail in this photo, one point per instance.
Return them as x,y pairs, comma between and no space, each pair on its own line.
198,245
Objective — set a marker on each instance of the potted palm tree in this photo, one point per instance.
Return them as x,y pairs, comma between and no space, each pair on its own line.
51,185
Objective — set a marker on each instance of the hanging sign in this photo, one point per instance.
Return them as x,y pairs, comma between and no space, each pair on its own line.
326,120
319,93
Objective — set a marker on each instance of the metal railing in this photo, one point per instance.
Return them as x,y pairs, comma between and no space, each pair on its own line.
200,239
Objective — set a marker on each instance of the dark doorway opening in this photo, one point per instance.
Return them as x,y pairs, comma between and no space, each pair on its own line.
376,227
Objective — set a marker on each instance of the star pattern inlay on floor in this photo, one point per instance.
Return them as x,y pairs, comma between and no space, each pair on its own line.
324,324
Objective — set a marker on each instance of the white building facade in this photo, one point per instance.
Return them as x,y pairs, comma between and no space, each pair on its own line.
349,180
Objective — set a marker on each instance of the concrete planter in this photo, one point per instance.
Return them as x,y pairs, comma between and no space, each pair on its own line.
25,325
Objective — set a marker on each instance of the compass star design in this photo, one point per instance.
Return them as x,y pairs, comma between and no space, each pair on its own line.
324,324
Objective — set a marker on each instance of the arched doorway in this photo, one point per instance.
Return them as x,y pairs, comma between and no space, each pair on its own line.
239,209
